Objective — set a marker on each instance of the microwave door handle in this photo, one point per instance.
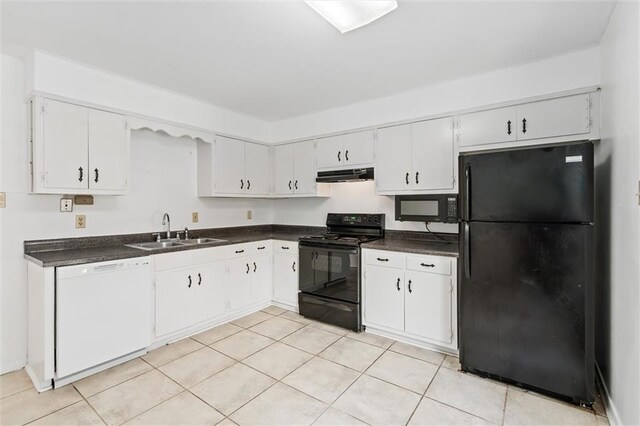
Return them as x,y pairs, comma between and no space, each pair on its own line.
467,251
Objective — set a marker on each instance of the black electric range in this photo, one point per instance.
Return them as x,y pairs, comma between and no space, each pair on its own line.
329,273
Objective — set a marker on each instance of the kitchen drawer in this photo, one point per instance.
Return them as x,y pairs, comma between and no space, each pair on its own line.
433,264
289,247
389,259
260,247
182,259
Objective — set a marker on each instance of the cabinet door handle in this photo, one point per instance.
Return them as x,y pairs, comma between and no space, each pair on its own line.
346,155
380,259
406,178
81,174
293,266
509,127
199,279
339,155
295,185
409,287
428,265
189,281
241,183
289,184
239,251
97,175
248,268
261,248
417,174
248,184
398,284
255,267
524,125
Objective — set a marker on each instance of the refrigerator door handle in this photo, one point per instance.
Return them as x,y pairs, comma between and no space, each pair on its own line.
467,261
467,194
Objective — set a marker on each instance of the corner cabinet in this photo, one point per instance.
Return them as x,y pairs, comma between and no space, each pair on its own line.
78,150
416,158
411,297
233,168
552,120
294,169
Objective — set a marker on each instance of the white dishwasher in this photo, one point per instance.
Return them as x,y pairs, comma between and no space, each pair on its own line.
103,312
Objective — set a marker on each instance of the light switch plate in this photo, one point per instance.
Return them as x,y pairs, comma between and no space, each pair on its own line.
3,200
66,205
81,221
194,217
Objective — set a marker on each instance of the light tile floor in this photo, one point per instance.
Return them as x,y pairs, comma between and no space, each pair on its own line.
275,367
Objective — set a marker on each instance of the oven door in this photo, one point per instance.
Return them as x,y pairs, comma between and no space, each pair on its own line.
330,270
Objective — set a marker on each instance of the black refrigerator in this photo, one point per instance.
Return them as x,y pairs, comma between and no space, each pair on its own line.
526,288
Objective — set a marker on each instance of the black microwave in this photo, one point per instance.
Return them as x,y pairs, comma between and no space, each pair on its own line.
427,208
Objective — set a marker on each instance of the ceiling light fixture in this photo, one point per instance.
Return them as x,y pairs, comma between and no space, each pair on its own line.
349,15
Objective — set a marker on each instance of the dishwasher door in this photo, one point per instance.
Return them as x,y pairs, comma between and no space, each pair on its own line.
103,312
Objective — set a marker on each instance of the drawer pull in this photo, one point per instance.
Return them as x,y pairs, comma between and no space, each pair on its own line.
261,248
428,265
285,248
239,251
398,284
382,260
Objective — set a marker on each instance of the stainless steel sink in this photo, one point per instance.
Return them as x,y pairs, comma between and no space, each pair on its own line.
157,245
201,241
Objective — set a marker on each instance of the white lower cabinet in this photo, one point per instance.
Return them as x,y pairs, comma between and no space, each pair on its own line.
285,273
193,287
414,296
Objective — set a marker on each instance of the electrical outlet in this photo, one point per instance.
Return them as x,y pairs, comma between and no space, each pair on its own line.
194,217
81,221
249,214
66,205
3,200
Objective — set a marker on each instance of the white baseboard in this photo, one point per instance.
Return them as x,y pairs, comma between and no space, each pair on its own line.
40,386
609,406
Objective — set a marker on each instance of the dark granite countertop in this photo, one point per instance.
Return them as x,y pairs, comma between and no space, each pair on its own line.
76,251
416,242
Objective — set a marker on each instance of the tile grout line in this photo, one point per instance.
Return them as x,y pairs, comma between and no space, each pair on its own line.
426,389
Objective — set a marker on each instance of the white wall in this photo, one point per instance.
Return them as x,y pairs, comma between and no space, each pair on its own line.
163,180
78,81
571,71
618,216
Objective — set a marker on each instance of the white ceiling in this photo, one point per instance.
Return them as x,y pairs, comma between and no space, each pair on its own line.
275,60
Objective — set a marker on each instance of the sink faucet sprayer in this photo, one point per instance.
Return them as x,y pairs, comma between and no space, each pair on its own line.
166,220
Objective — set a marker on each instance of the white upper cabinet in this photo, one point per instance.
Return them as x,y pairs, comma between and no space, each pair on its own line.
393,158
108,150
550,120
233,168
491,126
554,117
283,169
78,150
432,155
229,167
304,168
415,157
346,151
257,160
294,169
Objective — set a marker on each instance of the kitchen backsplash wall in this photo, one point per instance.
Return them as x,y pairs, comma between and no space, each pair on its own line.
351,197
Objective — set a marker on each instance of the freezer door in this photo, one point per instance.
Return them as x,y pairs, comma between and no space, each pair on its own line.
551,184
526,305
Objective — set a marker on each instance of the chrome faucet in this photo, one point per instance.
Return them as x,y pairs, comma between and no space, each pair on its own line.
166,220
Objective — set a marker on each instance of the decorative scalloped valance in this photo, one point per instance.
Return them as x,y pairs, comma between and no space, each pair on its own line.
169,129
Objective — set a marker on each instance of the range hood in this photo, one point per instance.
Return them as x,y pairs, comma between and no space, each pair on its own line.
348,175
